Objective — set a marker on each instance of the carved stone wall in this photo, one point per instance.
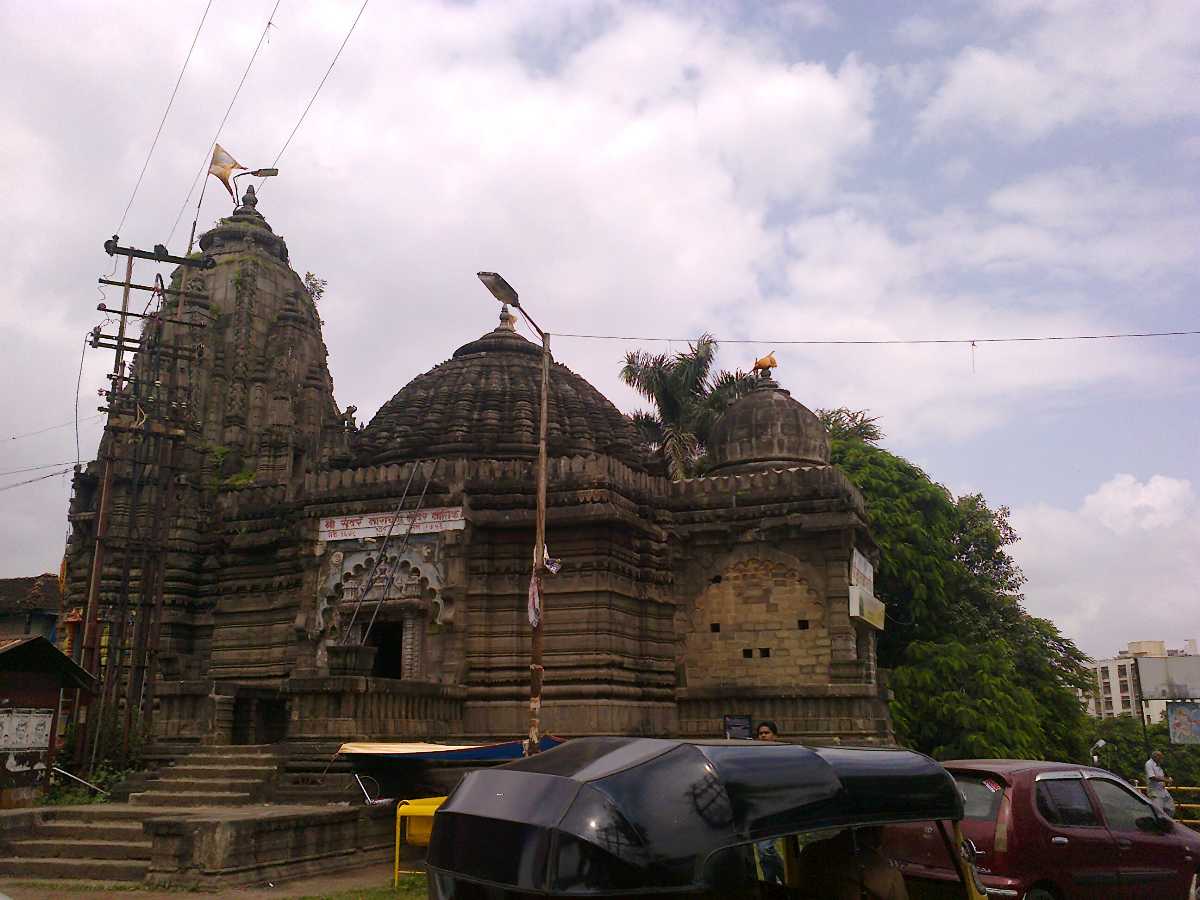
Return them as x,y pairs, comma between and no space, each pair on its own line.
758,624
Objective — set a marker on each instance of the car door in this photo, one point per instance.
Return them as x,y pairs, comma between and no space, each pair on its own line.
1151,860
1072,848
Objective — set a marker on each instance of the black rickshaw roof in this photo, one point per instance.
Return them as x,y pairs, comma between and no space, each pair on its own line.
607,815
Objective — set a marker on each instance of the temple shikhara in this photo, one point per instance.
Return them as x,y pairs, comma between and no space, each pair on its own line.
678,602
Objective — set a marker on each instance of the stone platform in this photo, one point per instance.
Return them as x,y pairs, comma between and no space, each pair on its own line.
199,848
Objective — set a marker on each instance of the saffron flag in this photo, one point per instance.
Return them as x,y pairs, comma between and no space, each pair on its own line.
222,166
535,601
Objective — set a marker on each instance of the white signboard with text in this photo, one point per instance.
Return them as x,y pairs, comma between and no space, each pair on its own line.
25,729
423,521
863,603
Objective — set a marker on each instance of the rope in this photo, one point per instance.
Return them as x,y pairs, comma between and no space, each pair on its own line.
163,121
382,550
999,340
392,575
313,98
208,150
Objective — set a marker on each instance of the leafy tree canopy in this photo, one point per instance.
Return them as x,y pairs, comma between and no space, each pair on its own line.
688,398
974,673
950,584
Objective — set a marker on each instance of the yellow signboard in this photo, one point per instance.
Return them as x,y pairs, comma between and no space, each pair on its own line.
865,607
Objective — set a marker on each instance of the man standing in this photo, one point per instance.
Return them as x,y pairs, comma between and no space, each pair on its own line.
1156,785
768,854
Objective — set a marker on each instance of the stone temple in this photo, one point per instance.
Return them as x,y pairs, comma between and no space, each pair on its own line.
678,602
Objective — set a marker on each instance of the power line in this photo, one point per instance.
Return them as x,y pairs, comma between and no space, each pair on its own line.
17,484
65,462
163,121
313,98
969,341
208,150
17,437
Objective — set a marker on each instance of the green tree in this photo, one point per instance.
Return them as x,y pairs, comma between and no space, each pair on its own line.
959,701
1125,752
688,398
850,424
315,286
947,577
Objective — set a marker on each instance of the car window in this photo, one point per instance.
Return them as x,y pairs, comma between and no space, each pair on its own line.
1063,801
981,796
1123,809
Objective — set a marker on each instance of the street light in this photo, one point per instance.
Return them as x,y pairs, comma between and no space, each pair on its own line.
504,292
256,173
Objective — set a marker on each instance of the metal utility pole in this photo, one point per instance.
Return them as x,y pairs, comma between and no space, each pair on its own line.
504,292
140,413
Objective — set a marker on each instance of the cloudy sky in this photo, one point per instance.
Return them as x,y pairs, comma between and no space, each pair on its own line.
766,172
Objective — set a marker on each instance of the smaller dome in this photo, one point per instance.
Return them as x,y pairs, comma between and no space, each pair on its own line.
767,429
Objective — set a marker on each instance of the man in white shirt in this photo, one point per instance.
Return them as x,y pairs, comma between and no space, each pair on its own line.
1156,785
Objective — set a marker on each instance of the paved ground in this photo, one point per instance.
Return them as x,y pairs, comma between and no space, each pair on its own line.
369,883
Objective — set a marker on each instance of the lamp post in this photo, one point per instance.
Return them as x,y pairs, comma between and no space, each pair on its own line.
504,292
254,173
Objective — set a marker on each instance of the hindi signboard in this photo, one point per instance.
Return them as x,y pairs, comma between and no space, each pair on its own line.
422,521
1183,721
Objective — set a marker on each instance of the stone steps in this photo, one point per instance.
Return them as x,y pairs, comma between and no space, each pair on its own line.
229,775
72,848
91,831
187,770
170,797
84,869
175,783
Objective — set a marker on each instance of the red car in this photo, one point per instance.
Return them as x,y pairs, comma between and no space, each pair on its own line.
1056,831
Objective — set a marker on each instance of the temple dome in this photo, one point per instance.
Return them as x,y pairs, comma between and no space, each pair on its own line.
483,402
766,429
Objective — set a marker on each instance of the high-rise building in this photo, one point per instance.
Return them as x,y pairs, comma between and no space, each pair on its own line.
1115,693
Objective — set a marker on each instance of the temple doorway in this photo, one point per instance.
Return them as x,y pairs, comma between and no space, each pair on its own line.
389,638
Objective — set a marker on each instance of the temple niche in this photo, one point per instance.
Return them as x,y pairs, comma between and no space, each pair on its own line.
678,603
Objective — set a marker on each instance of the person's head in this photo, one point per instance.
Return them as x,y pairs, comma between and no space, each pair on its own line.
1157,756
767,731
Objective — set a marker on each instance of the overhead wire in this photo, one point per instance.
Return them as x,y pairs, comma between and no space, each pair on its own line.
163,120
320,85
65,462
208,149
17,484
16,437
866,342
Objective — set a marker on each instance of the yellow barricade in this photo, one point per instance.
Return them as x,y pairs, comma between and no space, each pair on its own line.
414,824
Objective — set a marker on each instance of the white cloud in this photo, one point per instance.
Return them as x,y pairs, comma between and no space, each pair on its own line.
1122,566
921,32
1065,62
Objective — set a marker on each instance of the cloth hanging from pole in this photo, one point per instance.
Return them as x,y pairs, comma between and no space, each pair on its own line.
535,600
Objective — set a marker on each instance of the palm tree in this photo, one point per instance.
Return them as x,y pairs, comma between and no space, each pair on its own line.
688,398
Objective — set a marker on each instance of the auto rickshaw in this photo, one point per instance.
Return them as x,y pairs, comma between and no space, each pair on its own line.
642,817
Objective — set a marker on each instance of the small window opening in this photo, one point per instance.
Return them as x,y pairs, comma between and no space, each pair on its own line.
716,579
715,627
747,653
802,624
764,652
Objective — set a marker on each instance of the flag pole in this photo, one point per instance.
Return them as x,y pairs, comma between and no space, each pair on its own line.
192,237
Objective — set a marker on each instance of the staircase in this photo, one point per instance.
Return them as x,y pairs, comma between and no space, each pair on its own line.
103,842
231,775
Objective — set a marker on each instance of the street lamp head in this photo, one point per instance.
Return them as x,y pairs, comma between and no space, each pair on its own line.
264,173
500,289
